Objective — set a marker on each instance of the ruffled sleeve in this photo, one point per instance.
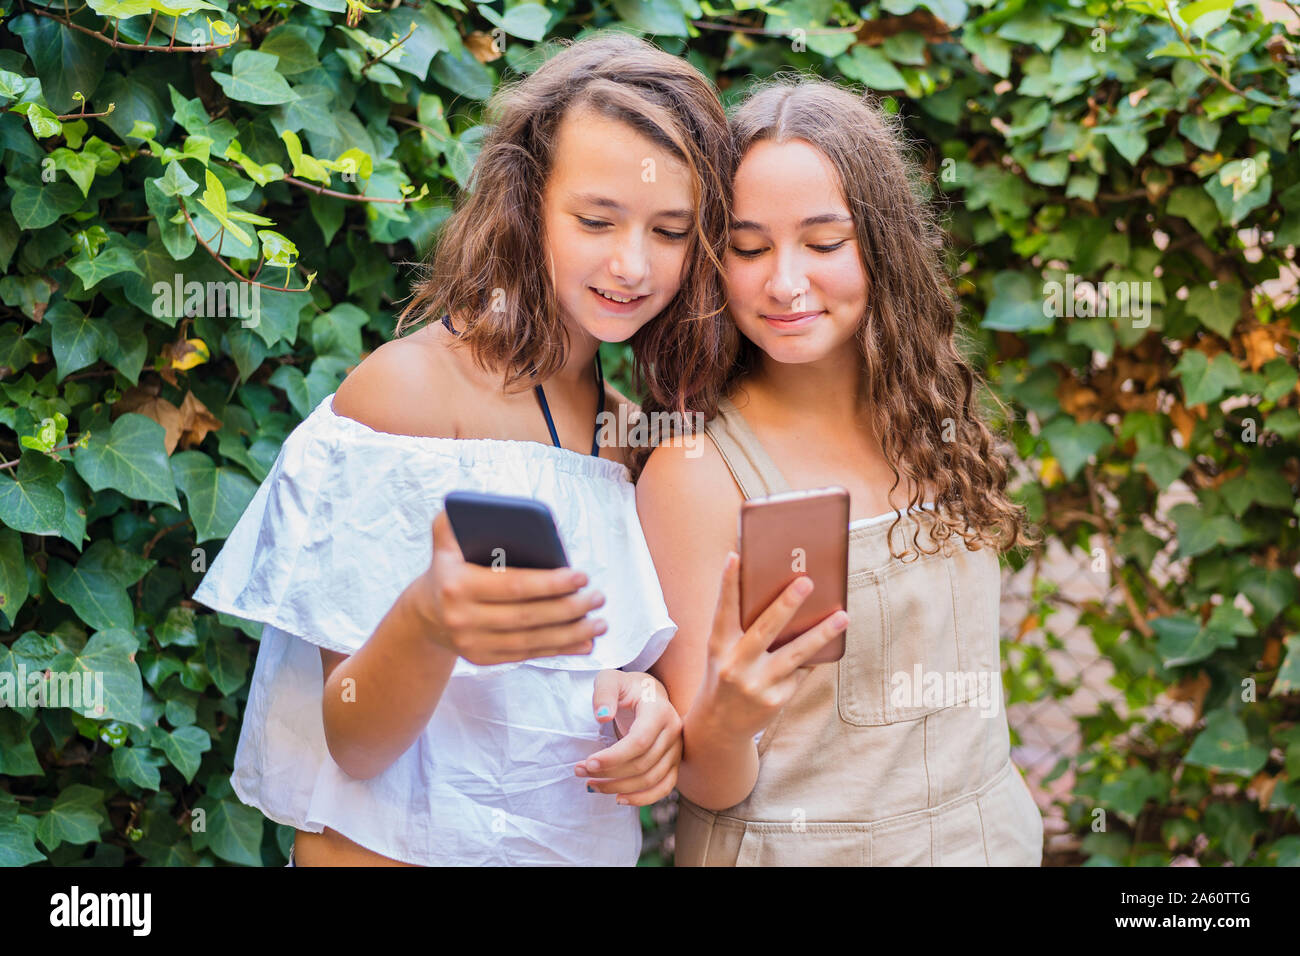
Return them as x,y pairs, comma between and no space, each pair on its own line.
343,524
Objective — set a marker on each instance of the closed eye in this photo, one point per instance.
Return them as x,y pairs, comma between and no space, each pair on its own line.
746,253
830,248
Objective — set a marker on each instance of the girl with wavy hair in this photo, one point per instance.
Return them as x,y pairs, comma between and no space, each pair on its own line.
408,708
845,372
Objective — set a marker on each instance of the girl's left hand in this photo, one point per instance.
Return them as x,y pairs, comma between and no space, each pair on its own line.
642,766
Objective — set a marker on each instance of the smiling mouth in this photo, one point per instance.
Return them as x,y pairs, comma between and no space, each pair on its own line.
793,317
618,298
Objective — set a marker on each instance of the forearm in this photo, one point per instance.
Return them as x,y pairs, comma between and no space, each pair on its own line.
377,702
718,769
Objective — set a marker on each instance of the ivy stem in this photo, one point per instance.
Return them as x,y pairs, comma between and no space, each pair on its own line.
11,464
143,47
396,43
222,262
1222,80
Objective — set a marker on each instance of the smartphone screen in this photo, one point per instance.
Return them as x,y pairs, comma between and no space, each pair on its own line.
503,531
785,536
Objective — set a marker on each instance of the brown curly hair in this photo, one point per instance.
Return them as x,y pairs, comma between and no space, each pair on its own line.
921,389
493,239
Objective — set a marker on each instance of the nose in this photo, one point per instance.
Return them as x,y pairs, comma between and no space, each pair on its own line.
629,262
787,281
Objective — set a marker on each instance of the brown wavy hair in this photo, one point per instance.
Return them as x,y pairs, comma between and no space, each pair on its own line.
493,238
918,383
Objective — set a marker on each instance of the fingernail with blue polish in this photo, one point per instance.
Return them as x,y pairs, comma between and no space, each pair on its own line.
603,712
589,790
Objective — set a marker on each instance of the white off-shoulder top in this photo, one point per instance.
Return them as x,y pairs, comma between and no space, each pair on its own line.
339,528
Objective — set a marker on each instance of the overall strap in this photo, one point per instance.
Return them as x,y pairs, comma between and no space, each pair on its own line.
748,461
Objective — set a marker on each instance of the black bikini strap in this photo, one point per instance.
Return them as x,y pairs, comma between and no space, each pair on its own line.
546,409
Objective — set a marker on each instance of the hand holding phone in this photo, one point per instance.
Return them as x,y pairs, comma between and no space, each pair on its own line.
746,684
508,611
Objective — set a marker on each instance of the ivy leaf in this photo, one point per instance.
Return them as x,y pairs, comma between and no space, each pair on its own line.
1073,444
227,662
1164,463
139,765
31,501
1033,26
18,839
1218,308
17,757
1259,485
109,656
1284,422
308,167
993,51
66,60
177,628
1288,675
115,257
96,587
295,45
1201,131
1204,380
528,20
1225,746
1230,619
121,9
1281,379
214,201
184,747
77,338
1128,142
1016,306
1233,204
1199,532
132,460
1182,640
216,496
253,79
1129,793
75,817
233,831
37,205
175,181
869,66
1270,591
13,573
80,167
660,17
461,73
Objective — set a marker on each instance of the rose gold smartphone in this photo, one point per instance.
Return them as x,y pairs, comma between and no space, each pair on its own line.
790,534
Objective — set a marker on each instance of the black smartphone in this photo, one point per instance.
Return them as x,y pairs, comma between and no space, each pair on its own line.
500,531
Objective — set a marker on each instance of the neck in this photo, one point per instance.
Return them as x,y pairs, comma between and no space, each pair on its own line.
577,369
831,388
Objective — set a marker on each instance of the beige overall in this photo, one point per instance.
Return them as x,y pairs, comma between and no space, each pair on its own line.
861,768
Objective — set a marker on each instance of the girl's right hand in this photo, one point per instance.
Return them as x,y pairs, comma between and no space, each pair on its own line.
745,685
499,615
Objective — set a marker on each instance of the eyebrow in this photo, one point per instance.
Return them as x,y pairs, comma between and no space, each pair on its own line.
810,221
593,200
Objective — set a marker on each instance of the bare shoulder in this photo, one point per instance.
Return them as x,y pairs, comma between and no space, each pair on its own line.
687,476
407,386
